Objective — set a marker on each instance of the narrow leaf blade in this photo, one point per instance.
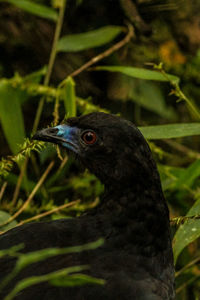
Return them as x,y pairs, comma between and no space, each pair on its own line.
187,232
35,9
11,117
4,216
149,95
139,73
188,176
170,131
69,97
76,280
87,40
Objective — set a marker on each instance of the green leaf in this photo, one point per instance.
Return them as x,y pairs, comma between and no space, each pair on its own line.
86,40
26,259
139,73
43,254
76,279
35,8
59,278
187,232
169,175
69,97
26,282
170,131
30,80
12,251
188,175
149,95
36,76
27,185
4,216
11,117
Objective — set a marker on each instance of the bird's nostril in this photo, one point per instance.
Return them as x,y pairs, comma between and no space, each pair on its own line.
53,130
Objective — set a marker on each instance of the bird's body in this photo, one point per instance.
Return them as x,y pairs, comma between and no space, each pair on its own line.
136,258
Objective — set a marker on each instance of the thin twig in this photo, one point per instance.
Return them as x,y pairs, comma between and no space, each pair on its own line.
180,288
51,61
131,11
190,264
178,92
64,161
58,153
24,206
19,181
182,149
56,110
103,54
42,215
3,189
46,82
55,41
181,219
88,64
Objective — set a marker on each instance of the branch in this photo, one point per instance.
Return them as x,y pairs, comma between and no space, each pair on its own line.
24,206
104,54
46,213
51,61
181,220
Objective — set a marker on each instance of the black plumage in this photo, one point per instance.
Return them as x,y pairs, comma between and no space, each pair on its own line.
136,258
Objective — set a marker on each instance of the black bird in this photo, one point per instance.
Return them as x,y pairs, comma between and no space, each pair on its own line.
136,258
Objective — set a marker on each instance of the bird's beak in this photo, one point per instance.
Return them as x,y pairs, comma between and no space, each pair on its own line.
63,135
48,135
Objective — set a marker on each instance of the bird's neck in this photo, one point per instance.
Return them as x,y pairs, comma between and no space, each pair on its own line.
140,212
140,226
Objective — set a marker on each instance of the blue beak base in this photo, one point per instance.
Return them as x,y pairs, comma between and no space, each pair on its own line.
63,135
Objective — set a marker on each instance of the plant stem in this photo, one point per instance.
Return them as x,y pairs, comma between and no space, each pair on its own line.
26,203
19,182
46,83
42,215
51,62
179,93
190,264
102,55
3,188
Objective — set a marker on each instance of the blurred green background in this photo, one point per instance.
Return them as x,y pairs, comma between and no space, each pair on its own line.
139,59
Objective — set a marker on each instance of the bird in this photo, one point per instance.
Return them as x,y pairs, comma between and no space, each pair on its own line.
136,258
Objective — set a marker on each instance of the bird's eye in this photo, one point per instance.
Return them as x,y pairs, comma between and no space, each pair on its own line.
89,137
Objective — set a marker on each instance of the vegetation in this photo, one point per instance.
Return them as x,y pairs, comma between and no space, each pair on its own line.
100,59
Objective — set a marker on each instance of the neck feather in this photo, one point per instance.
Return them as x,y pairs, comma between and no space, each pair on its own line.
140,211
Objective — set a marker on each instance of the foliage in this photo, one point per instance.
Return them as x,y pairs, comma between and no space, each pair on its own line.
170,131
163,105
35,8
65,277
139,73
6,163
83,41
4,216
188,231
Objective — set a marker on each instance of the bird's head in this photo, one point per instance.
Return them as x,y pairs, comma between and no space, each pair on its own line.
109,146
